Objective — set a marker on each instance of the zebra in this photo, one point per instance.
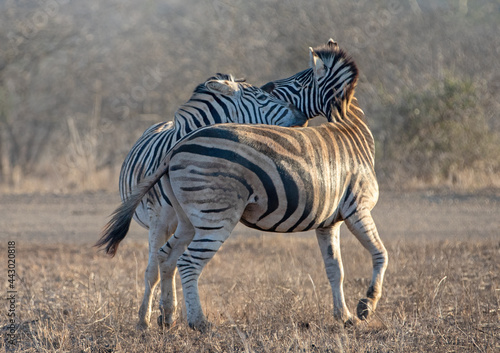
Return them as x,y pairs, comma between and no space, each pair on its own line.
310,90
315,82
220,99
273,179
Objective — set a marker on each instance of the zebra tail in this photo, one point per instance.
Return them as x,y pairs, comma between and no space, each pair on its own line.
117,228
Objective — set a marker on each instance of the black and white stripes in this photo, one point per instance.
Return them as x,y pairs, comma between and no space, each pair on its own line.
220,99
279,180
275,179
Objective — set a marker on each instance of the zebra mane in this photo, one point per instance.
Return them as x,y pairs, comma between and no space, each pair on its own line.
201,88
342,103
330,53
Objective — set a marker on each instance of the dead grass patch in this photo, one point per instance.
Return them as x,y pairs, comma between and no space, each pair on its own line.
264,294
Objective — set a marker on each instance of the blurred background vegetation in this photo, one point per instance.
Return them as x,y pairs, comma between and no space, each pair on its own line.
81,80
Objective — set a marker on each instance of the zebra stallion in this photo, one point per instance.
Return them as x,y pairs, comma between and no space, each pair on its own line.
273,179
220,99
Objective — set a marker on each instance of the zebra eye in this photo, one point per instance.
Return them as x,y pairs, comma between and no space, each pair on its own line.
262,97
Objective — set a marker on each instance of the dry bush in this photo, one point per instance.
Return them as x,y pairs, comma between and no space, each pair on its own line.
265,294
441,135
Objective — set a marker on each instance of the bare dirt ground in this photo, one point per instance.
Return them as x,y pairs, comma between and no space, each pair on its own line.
263,292
78,219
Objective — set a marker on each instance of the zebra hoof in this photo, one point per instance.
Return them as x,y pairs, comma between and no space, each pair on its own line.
364,308
202,327
165,324
142,326
351,322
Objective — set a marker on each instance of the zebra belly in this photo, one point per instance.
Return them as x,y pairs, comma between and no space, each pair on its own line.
297,218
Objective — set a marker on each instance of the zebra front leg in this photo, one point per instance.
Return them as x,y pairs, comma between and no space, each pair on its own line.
167,258
329,243
361,224
157,238
190,264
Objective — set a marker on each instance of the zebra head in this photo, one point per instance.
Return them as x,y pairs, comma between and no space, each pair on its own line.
250,104
323,86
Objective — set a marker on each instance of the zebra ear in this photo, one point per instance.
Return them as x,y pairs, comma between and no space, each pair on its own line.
224,87
316,64
332,43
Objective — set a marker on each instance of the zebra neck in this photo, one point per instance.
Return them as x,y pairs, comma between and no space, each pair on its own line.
296,90
308,101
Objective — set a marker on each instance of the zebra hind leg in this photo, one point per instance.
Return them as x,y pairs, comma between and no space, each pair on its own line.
329,243
167,258
361,224
151,279
151,275
190,265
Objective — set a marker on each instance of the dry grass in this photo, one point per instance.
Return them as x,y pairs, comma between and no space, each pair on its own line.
264,294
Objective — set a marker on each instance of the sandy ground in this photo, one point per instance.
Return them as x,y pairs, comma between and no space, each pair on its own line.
78,218
441,291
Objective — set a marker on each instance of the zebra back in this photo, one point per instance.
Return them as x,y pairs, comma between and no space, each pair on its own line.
220,99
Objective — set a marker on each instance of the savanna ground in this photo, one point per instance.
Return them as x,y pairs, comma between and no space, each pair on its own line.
262,292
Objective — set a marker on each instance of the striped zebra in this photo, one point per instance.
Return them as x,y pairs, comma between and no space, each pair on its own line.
311,90
278,180
220,99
